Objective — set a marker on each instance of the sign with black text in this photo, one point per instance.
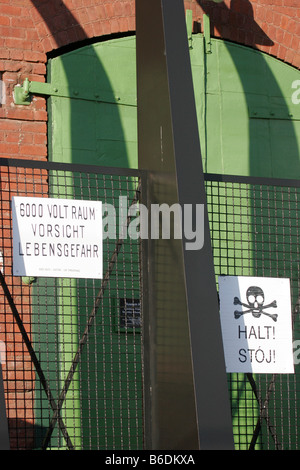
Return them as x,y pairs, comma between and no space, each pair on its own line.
256,324
57,238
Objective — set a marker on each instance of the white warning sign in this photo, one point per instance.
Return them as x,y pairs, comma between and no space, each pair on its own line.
57,237
256,324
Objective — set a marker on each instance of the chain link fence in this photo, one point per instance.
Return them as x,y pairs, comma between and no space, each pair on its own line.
255,232
72,349
72,360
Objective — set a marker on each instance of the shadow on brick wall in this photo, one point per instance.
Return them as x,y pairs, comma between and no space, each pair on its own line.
61,24
236,23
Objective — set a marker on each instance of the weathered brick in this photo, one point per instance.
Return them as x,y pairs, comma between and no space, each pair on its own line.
27,33
4,20
34,56
34,127
10,10
9,148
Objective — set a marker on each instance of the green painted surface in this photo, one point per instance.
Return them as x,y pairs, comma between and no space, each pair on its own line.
248,125
100,130
247,121
95,123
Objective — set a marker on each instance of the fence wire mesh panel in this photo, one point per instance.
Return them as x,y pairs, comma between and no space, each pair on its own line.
255,232
71,349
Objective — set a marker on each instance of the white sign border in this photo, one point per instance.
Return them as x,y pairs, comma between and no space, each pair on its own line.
66,246
249,350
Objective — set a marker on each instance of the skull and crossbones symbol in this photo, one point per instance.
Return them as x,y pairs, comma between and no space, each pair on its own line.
255,298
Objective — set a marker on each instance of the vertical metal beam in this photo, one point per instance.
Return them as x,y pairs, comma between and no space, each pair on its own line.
190,407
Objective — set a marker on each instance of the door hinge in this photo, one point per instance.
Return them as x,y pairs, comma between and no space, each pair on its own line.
22,93
189,27
206,33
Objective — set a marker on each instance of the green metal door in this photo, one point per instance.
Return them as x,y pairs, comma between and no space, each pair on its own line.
95,122
92,121
248,122
248,125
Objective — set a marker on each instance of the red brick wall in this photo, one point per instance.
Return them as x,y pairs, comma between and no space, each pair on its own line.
29,29
272,26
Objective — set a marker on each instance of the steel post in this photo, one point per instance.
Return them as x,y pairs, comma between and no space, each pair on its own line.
186,375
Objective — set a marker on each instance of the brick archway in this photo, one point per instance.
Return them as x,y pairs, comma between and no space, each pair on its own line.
59,24
248,21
